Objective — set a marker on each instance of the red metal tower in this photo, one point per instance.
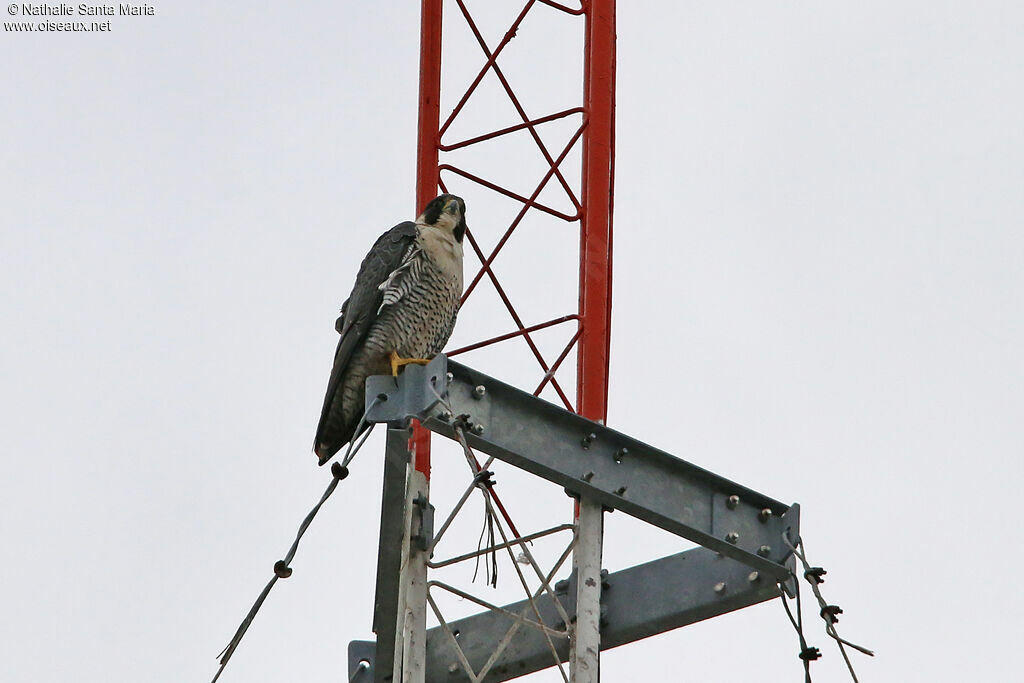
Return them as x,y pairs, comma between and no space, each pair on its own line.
738,529
593,208
593,213
744,536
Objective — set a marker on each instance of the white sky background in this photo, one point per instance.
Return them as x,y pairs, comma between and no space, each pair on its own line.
818,293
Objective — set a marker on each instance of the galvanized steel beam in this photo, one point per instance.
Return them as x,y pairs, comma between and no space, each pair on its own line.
389,554
591,460
636,603
412,606
585,646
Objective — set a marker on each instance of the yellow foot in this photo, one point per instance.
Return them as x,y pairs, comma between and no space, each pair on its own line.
397,362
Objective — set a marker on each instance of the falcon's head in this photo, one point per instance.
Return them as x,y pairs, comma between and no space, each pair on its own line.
448,213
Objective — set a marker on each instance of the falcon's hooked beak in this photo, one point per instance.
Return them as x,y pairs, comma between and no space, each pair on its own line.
452,207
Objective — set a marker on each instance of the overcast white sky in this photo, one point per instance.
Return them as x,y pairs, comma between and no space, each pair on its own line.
818,292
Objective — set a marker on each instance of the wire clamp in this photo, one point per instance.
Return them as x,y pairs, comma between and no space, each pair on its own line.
830,613
483,479
815,574
809,654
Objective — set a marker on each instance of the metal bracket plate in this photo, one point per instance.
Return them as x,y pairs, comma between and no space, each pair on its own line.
414,392
424,535
362,659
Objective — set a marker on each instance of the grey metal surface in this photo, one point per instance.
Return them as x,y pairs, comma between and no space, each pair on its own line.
392,521
600,463
635,603
585,648
419,384
361,651
410,662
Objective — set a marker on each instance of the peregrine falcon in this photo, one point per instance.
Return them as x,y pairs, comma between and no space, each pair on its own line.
401,309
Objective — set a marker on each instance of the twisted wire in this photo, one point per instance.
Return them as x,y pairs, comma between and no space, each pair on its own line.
829,613
282,570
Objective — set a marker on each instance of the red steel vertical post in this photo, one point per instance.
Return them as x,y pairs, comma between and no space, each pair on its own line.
427,145
596,223
595,313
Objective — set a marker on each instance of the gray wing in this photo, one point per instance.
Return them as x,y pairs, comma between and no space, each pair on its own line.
360,310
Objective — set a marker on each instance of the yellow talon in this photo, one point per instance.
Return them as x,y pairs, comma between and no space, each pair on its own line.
397,362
